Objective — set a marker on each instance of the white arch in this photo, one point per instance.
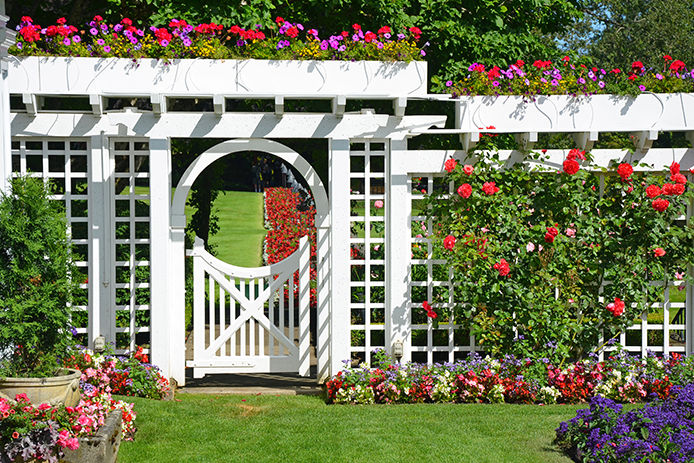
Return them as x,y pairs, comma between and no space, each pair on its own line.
248,144
177,249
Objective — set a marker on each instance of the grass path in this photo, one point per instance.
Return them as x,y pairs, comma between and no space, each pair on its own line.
304,429
241,232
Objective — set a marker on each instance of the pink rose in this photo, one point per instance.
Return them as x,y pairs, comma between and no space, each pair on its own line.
468,169
378,204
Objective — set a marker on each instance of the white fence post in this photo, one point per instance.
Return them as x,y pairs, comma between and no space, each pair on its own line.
160,203
304,306
339,255
101,255
398,250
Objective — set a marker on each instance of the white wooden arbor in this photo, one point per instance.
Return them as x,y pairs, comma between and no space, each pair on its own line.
366,298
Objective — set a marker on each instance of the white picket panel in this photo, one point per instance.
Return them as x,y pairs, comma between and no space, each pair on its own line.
266,344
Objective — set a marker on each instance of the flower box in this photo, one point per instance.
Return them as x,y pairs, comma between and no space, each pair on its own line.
100,448
564,113
195,77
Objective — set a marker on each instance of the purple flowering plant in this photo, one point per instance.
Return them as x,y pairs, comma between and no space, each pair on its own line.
605,432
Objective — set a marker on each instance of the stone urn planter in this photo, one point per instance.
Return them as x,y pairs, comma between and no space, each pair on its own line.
63,389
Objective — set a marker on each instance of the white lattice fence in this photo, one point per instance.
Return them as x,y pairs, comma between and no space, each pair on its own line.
64,165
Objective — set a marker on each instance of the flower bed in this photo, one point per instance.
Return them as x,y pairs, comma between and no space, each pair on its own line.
662,431
287,224
130,375
43,432
511,380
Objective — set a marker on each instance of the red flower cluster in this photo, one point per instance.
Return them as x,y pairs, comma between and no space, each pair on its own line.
571,165
616,308
287,224
669,189
576,384
660,204
449,242
625,170
465,190
503,267
551,234
490,188
450,164
430,312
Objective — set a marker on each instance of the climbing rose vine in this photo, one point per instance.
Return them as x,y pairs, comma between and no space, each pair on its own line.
531,248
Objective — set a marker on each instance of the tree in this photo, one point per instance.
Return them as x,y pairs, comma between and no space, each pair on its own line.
617,32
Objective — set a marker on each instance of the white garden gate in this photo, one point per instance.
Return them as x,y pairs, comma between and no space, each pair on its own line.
252,321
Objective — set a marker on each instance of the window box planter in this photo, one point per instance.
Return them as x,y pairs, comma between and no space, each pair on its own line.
84,76
563,113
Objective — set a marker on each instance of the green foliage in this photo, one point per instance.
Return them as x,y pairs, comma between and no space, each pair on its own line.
617,32
552,292
35,281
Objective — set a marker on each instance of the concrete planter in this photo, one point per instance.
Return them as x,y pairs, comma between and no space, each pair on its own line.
101,448
63,389
84,76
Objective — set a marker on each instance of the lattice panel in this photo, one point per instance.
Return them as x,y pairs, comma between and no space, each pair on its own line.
131,242
430,281
64,165
367,237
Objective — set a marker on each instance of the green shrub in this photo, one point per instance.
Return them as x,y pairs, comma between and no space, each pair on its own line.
35,281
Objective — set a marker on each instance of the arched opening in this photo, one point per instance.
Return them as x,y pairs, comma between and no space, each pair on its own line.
287,166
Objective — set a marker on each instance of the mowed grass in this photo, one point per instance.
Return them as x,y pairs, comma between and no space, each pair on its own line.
239,240
304,429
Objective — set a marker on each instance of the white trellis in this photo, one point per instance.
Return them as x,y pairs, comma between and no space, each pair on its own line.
133,244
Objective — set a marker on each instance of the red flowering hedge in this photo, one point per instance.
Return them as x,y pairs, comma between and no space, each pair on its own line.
287,224
553,257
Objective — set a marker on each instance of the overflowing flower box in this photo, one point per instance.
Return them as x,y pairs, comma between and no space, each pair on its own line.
566,113
194,77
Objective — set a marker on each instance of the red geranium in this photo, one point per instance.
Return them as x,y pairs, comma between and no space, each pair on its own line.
677,66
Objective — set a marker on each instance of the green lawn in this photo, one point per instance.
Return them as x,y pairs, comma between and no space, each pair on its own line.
241,232
303,429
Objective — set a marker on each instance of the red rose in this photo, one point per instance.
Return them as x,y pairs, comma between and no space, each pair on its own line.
660,204
616,307
549,238
670,189
465,190
503,267
659,252
677,189
625,170
571,166
468,169
490,188
652,191
674,168
576,153
449,242
552,231
450,164
678,178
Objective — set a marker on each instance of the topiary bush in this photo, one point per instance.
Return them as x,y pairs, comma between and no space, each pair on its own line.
35,281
